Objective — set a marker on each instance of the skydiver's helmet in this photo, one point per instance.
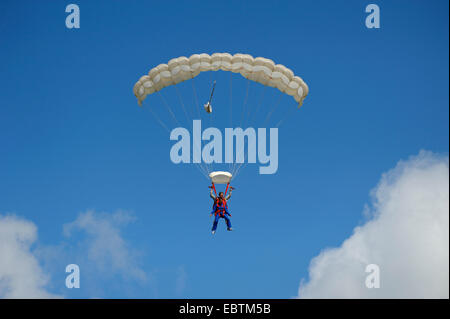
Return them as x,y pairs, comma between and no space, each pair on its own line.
208,107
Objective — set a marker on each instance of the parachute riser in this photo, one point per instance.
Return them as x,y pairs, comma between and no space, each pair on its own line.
214,188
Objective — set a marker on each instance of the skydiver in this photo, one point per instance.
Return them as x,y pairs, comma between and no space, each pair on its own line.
220,210
215,198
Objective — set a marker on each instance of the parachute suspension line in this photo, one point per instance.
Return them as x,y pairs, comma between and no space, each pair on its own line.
273,109
211,115
164,126
201,170
196,98
168,108
210,77
201,164
241,165
234,169
237,166
286,115
198,166
205,168
231,100
258,106
189,123
230,165
245,102
188,118
234,164
213,85
236,172
239,169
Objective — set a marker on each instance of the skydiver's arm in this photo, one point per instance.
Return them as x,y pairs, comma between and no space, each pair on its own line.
229,195
211,194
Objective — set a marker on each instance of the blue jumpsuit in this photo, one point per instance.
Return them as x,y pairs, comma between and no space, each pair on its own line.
220,212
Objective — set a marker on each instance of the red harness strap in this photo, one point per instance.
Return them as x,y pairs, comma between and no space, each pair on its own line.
214,187
228,184
218,212
216,202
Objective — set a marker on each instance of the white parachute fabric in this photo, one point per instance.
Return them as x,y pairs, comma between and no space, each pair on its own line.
220,177
259,69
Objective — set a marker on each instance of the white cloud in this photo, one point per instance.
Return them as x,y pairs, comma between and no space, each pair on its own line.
407,236
105,247
20,273
101,248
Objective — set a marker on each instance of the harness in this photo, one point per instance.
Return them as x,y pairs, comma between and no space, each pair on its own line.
220,209
224,202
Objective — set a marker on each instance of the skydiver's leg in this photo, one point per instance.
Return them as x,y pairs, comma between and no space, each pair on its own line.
227,219
216,220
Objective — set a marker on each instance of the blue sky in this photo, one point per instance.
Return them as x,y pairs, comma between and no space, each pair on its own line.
73,139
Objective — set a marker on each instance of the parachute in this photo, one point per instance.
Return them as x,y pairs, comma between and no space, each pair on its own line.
259,69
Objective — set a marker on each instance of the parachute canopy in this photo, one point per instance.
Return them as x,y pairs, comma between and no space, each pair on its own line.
259,69
220,177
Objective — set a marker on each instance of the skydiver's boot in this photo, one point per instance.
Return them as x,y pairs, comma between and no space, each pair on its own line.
228,223
213,232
